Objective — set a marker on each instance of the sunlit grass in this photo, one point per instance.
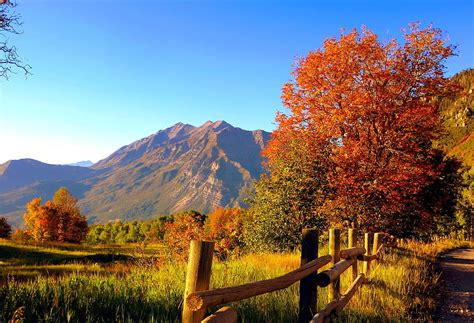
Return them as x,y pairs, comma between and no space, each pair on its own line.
401,288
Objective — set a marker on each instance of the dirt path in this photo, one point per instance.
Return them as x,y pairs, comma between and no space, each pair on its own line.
457,302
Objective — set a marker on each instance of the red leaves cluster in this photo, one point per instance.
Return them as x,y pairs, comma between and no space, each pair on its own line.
370,106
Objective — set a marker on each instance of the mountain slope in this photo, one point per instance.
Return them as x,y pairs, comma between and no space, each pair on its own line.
178,168
457,116
15,174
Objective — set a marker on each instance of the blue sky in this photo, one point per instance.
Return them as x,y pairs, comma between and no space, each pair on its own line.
106,73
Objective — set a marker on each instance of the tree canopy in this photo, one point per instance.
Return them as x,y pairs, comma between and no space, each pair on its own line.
366,110
57,220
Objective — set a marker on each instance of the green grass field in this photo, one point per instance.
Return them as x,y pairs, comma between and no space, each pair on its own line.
58,283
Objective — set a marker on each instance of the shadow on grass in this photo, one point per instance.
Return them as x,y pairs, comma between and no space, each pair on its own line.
21,256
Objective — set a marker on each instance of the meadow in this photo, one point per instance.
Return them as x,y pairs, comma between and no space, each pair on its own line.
130,282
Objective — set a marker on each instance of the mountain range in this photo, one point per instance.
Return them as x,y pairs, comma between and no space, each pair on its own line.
178,168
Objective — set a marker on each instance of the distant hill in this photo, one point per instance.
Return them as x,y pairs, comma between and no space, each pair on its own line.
178,168
16,174
84,163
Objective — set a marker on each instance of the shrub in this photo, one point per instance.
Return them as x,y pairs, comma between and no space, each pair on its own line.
225,227
186,226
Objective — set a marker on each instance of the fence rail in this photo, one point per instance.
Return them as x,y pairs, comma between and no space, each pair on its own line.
198,298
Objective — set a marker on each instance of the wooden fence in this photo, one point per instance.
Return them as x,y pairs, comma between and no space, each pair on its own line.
198,298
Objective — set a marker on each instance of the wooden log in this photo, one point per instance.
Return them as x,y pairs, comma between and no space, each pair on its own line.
198,276
375,256
379,250
351,252
308,286
330,275
375,246
338,305
334,248
325,313
219,296
366,258
352,241
223,315
350,292
367,239
350,238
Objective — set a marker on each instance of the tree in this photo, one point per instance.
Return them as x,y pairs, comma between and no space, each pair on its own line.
5,228
290,197
9,23
225,227
56,220
186,226
371,106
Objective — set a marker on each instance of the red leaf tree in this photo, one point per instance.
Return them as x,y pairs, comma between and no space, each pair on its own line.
370,106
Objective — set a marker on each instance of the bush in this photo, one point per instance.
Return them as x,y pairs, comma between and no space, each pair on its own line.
225,227
185,226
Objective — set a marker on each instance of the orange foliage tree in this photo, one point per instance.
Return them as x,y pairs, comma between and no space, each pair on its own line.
225,227
184,227
56,220
370,106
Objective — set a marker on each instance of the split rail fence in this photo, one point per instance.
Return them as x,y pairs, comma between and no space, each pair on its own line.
198,298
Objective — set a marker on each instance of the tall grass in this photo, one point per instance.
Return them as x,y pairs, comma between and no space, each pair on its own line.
401,288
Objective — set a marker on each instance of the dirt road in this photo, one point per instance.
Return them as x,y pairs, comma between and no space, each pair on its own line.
457,302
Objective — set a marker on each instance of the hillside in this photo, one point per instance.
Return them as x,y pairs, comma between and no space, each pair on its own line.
177,168
16,174
458,141
457,116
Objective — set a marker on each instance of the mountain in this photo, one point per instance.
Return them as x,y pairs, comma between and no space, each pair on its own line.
84,163
178,168
16,174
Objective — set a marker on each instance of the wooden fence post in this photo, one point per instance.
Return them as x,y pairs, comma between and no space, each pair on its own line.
308,287
376,244
367,239
198,276
334,248
352,243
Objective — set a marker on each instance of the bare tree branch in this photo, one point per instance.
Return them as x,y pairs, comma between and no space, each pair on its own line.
10,61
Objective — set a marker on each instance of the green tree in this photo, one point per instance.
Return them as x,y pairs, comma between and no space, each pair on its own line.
5,228
288,199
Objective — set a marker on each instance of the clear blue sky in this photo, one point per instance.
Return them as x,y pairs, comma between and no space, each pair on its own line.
109,72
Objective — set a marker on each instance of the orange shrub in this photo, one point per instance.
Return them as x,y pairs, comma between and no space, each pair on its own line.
225,227
20,236
186,226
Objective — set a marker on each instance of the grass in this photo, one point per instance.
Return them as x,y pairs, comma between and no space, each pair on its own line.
73,288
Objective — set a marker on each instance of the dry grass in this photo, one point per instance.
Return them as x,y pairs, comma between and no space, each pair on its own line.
401,288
